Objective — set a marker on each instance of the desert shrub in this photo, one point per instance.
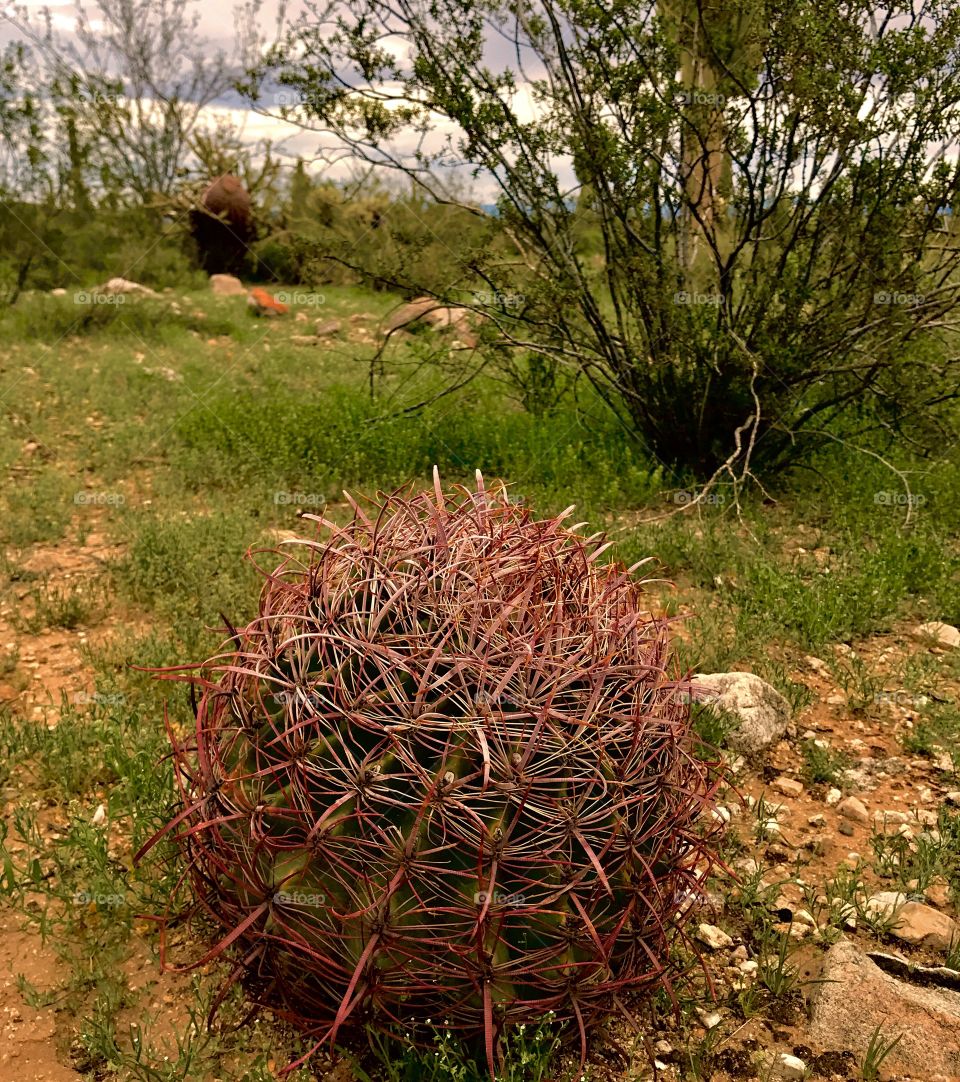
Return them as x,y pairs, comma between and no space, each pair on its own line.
757,251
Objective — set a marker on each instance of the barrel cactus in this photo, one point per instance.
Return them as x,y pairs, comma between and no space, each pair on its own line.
445,774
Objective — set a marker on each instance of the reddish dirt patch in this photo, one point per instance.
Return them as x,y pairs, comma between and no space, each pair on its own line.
29,1048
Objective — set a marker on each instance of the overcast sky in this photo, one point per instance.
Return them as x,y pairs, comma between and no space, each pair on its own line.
218,27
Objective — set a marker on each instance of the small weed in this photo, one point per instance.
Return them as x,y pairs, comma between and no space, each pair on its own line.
862,686
936,734
913,863
526,1055
67,607
798,695
821,765
765,816
826,910
750,1000
702,1053
776,974
877,1051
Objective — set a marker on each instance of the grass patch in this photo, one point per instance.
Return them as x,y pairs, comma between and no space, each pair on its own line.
822,765
67,607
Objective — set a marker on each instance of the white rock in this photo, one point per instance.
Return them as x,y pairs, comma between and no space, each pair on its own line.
710,1019
789,1067
885,903
819,666
746,866
713,937
922,925
226,285
852,999
763,714
124,285
945,635
834,796
854,809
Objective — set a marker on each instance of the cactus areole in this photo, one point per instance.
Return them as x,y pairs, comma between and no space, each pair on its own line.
444,774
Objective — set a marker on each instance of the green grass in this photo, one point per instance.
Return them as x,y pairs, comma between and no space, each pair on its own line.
528,1056
937,733
822,765
38,509
53,606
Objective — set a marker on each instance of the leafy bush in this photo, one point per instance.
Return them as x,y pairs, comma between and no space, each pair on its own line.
757,252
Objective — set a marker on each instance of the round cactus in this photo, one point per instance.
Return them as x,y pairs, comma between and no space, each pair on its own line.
445,773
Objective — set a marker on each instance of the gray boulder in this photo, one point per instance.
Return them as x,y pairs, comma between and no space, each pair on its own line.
853,996
762,713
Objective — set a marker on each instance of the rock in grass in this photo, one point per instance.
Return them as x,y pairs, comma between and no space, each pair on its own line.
939,634
852,997
123,285
713,937
432,312
226,285
326,328
762,714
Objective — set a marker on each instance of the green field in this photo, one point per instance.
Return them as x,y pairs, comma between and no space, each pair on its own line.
146,450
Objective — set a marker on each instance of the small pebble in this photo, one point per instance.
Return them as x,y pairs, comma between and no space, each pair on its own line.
713,937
